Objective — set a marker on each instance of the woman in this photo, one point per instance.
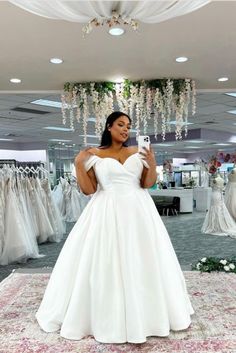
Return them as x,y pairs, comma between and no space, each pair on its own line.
117,277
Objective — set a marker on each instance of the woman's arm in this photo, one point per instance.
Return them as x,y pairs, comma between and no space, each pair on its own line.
87,180
149,175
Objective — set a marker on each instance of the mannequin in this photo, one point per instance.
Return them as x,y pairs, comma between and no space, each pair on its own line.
218,220
230,193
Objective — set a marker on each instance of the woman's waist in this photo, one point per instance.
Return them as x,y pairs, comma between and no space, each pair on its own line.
120,187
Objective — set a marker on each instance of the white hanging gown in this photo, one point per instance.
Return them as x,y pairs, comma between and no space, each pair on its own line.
117,277
53,212
19,244
218,220
230,195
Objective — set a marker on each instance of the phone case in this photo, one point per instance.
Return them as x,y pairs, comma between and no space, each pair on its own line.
143,141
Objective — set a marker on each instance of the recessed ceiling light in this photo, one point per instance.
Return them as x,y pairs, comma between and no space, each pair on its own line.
116,31
192,147
173,122
15,80
60,140
232,94
223,79
181,59
57,128
91,136
232,138
231,111
6,139
56,61
196,141
222,144
47,103
163,144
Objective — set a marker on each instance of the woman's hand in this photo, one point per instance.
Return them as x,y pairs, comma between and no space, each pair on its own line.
149,157
83,156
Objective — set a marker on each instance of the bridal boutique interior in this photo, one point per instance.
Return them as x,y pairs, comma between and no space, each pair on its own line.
37,150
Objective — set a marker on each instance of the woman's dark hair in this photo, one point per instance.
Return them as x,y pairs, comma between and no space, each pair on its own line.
106,139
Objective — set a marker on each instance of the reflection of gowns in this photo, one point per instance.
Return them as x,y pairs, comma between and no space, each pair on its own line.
117,276
204,179
19,242
58,198
70,201
218,220
2,214
53,212
230,194
44,226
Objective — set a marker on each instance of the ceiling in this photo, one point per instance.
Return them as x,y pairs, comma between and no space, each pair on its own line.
207,37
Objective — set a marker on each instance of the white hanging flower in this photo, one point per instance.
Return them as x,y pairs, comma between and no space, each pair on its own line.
132,100
71,120
198,266
63,108
179,116
168,96
143,107
193,97
203,259
119,95
232,266
186,104
226,268
149,102
85,113
157,109
223,262
155,124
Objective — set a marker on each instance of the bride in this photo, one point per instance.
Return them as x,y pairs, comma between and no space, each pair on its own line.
117,277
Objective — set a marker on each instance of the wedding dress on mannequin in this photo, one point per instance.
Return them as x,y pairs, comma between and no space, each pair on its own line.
218,220
117,277
230,193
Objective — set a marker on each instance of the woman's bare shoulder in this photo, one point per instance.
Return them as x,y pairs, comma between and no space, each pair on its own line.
97,151
93,150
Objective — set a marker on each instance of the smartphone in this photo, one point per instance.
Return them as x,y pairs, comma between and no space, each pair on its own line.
143,141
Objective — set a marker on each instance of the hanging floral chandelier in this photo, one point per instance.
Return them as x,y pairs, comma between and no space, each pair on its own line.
116,19
150,103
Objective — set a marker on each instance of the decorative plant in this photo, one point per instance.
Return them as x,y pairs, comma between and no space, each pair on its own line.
147,102
209,264
190,182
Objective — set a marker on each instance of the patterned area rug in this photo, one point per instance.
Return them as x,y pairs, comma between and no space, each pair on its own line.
213,328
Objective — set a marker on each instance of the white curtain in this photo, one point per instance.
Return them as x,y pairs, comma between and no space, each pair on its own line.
84,11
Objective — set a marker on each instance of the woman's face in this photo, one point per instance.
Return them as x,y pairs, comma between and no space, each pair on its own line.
120,129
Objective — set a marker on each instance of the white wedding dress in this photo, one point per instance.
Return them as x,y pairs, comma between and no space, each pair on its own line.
218,220
230,194
117,277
